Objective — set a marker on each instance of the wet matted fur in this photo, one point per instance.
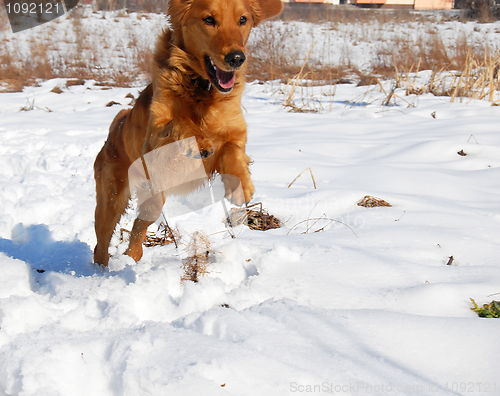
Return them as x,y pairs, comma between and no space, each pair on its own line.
195,91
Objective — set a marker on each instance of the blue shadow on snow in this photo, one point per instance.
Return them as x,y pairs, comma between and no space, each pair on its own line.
36,246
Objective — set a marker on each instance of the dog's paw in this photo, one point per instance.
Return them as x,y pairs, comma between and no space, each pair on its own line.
205,153
204,149
235,192
205,146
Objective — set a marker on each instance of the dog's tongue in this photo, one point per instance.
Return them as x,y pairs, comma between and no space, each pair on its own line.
226,79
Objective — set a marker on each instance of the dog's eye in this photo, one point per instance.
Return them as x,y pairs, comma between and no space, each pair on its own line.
243,20
210,21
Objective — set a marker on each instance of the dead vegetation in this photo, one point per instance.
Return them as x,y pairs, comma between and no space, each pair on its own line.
274,51
317,224
163,236
80,54
461,68
197,262
479,79
259,220
300,174
276,56
371,202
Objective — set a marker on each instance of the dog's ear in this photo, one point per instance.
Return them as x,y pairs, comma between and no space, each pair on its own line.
265,9
177,10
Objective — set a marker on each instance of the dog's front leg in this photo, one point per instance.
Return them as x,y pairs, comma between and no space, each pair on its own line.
161,135
234,161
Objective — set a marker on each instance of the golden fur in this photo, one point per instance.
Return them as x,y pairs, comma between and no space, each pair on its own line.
186,98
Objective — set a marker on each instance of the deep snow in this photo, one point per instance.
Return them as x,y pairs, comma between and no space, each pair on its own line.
367,306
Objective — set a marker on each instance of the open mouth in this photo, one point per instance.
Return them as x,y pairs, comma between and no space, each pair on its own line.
223,80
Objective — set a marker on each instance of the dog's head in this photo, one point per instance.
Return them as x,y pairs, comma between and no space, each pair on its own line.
214,34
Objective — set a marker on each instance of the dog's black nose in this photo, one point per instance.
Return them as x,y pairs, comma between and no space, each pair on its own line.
235,59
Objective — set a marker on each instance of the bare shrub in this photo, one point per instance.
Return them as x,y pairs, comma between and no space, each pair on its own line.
17,71
39,61
427,52
273,53
196,264
404,42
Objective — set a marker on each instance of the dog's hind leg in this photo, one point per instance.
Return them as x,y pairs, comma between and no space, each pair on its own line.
112,187
112,200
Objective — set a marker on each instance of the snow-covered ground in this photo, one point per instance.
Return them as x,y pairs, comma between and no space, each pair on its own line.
353,311
368,306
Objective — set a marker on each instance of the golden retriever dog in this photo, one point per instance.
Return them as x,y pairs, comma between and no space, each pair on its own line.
196,90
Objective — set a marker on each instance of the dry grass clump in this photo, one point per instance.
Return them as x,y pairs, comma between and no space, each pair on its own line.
427,52
371,202
271,55
196,264
275,51
275,54
289,91
479,78
259,220
163,236
79,54
16,73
